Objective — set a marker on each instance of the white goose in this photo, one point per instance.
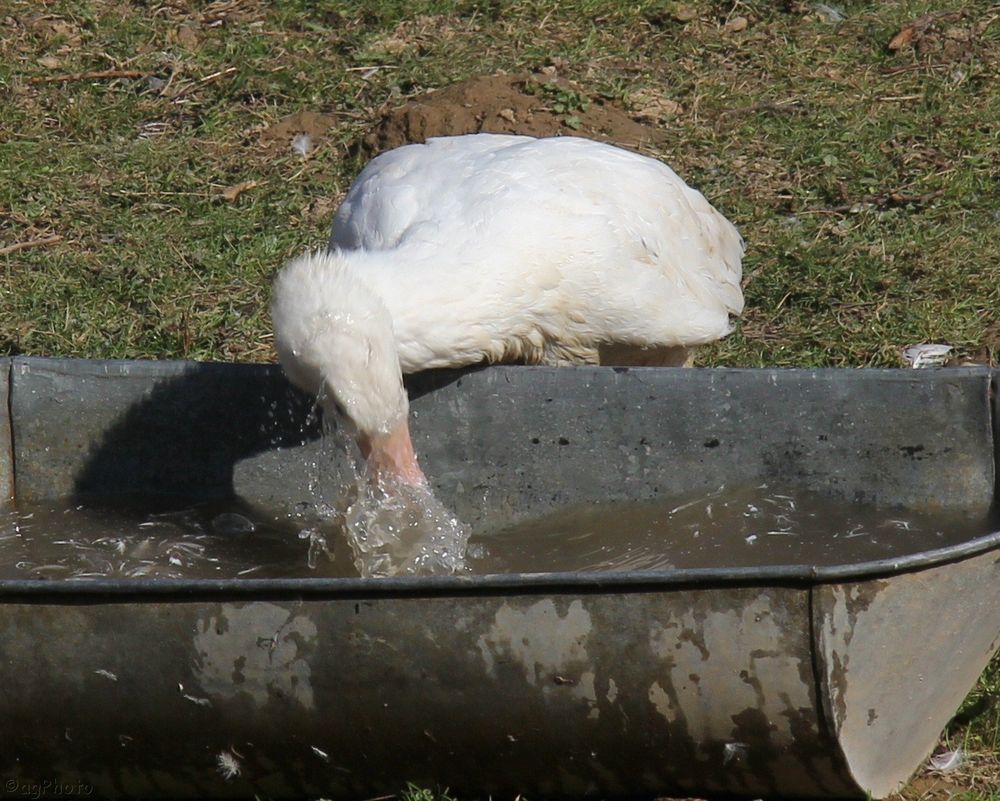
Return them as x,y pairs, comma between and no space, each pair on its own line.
499,248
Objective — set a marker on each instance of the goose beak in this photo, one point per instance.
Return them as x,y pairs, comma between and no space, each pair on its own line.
392,454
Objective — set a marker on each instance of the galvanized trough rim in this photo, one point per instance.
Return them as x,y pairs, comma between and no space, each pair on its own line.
519,583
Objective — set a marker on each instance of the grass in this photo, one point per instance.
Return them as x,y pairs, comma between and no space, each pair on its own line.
975,730
864,179
416,793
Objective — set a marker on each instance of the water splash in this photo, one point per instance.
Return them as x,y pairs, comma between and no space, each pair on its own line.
395,529
390,527
318,547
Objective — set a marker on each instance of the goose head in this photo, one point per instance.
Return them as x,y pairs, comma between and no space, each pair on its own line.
335,341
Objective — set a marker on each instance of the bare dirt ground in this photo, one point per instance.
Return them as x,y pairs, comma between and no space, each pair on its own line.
539,104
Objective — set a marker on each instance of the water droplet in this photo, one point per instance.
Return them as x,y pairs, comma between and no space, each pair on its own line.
230,523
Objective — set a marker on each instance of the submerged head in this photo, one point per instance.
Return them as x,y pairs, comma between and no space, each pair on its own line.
335,341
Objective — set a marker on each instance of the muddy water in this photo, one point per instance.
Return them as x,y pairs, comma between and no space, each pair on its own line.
143,539
727,527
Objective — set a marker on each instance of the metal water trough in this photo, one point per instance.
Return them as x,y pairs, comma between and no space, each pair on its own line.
782,680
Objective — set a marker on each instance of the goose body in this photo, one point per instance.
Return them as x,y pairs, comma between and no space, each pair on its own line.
499,248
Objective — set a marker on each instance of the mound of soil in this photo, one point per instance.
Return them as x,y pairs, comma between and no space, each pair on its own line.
279,136
531,104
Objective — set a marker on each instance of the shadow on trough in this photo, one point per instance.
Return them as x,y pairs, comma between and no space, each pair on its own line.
185,435
164,429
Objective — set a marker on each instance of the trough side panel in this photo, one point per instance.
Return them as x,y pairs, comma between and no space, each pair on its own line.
558,696
7,478
506,444
104,428
897,656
